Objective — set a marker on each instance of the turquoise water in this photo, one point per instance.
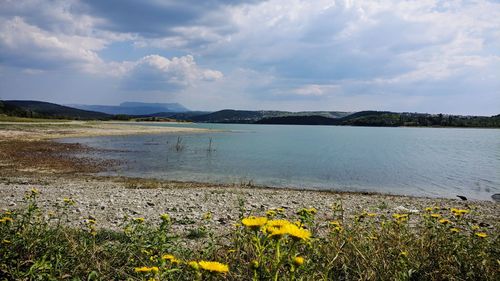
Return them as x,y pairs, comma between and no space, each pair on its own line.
436,162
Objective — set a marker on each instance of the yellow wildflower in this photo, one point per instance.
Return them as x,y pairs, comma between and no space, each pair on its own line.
400,218
6,219
404,253
277,223
312,210
170,258
428,209
207,216
335,223
69,201
298,261
271,213
254,222
194,265
454,230
459,212
214,266
280,210
139,220
481,234
371,214
165,217
444,221
436,216
5,241
145,269
307,211
34,191
475,227
254,264
291,230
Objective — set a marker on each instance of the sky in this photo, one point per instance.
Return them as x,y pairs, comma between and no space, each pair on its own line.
406,56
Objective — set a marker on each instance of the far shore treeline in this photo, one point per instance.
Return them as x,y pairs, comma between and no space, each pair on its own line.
45,110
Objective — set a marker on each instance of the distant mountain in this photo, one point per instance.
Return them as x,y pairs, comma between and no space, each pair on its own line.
246,116
134,108
39,109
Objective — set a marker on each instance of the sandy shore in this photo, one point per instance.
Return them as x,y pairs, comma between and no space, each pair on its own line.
30,160
54,130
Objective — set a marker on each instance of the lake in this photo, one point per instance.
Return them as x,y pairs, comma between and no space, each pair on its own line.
435,162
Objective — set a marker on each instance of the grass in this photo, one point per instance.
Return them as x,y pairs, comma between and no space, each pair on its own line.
435,244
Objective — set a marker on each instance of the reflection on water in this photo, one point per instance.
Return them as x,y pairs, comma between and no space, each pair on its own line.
411,161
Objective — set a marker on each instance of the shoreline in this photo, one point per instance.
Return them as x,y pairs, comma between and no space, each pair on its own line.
37,161
75,129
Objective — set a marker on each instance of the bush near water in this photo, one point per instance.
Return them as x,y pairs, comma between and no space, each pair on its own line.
433,244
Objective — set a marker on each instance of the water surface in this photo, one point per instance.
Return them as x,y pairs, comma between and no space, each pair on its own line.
436,162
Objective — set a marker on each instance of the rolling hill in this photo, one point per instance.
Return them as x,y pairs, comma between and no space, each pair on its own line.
39,109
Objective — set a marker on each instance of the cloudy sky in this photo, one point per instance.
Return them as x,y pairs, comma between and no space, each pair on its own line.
423,55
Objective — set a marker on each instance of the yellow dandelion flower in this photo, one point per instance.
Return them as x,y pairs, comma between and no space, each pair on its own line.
277,223
444,221
481,234
280,210
298,261
139,220
165,217
214,266
292,231
34,191
335,224
194,265
271,213
69,201
299,233
436,216
428,209
207,216
454,230
145,269
170,258
254,222
400,216
312,210
459,212
6,219
475,227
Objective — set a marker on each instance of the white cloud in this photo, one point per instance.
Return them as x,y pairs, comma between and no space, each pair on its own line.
28,46
315,90
155,72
